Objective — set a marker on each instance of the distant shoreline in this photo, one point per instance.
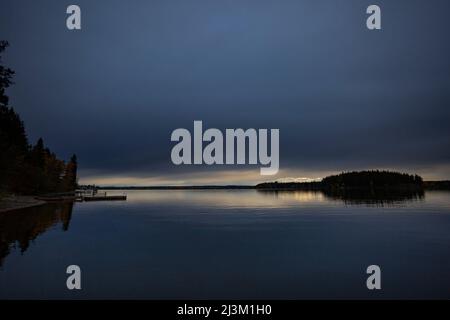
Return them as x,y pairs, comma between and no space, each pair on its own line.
176,187
15,202
362,184
305,186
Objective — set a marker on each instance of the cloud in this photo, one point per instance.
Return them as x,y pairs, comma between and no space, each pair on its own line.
343,97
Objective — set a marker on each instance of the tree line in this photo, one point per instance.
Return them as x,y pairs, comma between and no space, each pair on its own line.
372,178
356,179
26,168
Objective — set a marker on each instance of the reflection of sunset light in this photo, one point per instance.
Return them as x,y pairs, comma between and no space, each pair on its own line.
227,199
304,196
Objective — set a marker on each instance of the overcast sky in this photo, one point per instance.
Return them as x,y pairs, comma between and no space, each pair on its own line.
342,96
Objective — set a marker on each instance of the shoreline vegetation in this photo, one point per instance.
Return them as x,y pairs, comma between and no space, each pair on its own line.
26,170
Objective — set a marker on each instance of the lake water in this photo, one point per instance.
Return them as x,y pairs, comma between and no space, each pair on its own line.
196,244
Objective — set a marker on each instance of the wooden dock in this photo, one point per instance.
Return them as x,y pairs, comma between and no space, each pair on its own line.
80,196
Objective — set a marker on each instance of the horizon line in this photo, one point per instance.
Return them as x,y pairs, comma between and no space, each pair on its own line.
206,185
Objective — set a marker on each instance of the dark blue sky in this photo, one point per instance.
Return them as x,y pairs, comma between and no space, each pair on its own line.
342,96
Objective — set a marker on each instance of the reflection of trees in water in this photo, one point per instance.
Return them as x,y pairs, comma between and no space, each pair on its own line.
367,196
19,227
379,197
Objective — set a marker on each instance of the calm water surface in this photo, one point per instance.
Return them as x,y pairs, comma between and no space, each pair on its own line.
229,244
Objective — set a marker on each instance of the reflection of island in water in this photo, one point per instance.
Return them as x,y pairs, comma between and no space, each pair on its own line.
379,197
369,197
365,187
19,227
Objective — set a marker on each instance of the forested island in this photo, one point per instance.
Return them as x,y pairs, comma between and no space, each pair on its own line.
368,187
355,180
27,169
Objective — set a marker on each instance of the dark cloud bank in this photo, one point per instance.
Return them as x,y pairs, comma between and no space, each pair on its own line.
342,96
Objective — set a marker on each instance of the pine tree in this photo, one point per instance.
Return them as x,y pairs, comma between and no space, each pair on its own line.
70,176
5,77
24,170
13,140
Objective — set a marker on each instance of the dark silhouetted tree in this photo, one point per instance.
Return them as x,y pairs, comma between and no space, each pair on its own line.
13,140
25,169
70,176
5,76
